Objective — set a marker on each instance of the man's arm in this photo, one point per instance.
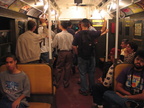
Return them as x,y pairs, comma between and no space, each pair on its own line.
55,42
75,49
103,29
45,30
106,31
16,103
136,97
121,90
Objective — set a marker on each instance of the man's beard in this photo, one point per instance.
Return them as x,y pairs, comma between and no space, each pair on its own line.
138,67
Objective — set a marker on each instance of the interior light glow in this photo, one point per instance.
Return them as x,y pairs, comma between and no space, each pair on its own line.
53,12
103,13
121,4
96,15
45,8
114,5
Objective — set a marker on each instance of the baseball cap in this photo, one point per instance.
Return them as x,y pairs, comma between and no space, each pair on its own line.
112,51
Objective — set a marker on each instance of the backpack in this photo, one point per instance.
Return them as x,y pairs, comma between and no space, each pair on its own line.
87,46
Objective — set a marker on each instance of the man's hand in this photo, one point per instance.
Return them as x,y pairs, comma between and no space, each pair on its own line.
100,80
16,103
119,94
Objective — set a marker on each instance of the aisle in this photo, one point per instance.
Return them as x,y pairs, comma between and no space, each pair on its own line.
70,97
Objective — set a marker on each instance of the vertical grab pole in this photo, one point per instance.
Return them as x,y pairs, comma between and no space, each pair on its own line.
55,19
49,30
116,38
117,29
107,40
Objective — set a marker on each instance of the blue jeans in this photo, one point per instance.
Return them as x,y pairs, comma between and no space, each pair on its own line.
6,103
97,92
86,66
45,57
113,98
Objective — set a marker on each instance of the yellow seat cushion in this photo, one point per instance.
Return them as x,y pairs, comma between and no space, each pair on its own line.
40,77
39,105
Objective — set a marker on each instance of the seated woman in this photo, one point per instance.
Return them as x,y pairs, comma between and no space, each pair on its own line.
130,52
105,84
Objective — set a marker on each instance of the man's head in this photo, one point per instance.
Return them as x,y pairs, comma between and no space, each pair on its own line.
69,24
31,25
112,53
63,25
85,23
139,59
124,43
132,47
11,62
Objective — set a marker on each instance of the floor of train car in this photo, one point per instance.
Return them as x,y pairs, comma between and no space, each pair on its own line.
70,97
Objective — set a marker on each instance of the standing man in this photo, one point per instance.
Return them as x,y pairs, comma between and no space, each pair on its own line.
69,28
14,86
28,48
44,45
83,46
63,41
91,27
130,85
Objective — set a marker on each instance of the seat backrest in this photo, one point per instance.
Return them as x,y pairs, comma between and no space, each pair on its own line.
118,69
40,76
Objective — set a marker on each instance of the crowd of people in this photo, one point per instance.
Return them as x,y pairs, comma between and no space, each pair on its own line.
79,46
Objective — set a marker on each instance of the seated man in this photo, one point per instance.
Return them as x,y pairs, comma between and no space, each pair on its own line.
130,85
15,86
123,48
130,51
105,84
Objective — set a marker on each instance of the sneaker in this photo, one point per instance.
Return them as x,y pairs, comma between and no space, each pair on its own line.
94,105
132,104
79,82
83,93
100,106
66,85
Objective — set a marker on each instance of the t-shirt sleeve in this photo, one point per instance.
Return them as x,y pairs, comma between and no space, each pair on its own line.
96,34
122,76
26,90
55,41
75,41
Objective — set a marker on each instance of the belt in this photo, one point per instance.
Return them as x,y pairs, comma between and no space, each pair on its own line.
65,50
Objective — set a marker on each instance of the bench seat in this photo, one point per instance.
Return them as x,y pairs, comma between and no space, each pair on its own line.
39,105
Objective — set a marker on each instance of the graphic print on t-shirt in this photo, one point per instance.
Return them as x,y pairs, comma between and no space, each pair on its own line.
11,86
135,81
137,84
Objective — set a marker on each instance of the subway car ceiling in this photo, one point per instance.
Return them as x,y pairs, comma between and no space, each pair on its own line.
73,9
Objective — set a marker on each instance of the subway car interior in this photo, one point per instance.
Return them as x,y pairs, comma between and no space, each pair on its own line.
125,20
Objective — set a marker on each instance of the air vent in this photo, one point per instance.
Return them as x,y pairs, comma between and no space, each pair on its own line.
78,1
100,4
